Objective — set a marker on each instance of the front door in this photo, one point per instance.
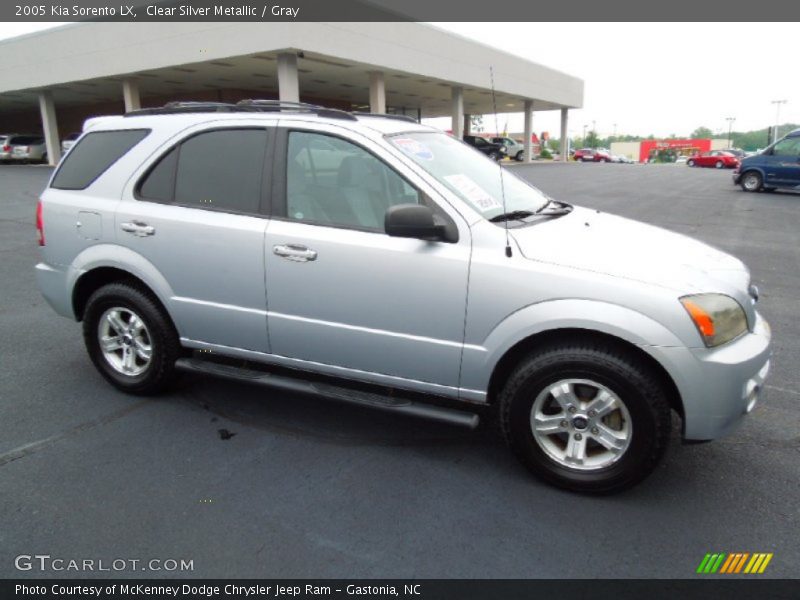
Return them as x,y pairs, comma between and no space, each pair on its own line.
343,294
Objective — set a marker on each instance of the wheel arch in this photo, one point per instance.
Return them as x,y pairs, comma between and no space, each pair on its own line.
516,353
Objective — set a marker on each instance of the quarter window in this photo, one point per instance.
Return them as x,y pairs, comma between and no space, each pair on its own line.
95,153
331,181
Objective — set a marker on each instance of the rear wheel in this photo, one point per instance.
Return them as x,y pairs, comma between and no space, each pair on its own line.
130,339
719,164
585,417
518,156
752,181
494,155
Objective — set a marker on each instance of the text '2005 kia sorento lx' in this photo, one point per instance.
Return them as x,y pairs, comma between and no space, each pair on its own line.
375,260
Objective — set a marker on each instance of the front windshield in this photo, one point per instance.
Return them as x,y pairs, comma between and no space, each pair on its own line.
469,174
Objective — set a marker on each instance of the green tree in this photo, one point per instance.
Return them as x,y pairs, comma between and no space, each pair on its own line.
701,133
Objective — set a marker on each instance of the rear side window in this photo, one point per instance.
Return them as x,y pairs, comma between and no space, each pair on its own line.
220,169
95,153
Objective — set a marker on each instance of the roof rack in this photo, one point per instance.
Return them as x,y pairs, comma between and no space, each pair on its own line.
386,116
183,107
281,105
249,105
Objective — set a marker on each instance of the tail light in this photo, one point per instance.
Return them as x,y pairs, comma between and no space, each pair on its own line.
39,223
6,148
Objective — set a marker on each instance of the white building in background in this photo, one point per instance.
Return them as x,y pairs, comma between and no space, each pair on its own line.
53,80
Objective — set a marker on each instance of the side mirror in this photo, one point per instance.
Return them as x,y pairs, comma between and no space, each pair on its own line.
413,221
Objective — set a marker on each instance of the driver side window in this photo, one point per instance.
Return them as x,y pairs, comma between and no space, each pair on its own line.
787,147
330,181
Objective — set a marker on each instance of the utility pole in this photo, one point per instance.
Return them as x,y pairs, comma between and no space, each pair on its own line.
594,132
730,121
777,104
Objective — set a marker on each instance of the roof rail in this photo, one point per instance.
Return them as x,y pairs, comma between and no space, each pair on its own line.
280,105
406,118
184,107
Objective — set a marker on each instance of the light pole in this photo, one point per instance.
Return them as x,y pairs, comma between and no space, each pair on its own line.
777,104
583,141
730,121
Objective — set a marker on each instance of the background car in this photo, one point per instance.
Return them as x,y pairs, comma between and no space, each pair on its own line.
718,159
69,141
681,160
593,155
490,149
514,149
27,148
778,166
5,147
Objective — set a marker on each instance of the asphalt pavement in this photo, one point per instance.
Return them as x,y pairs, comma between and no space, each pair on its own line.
303,487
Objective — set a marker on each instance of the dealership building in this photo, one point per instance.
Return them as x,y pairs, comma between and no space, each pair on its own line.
51,81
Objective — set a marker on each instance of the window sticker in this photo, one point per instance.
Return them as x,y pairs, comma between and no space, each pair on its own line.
473,192
414,148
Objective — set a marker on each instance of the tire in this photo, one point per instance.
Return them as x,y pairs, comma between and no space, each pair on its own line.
719,164
690,163
518,156
494,156
751,181
111,312
641,415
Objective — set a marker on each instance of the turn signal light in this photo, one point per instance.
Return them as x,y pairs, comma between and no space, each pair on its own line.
700,317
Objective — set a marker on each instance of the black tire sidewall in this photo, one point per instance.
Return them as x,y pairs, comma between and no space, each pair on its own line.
616,375
161,333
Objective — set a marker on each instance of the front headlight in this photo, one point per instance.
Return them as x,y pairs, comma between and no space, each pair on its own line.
718,318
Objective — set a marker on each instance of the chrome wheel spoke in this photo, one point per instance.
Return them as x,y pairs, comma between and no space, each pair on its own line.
129,360
110,343
143,351
564,395
576,450
614,440
116,322
549,424
602,404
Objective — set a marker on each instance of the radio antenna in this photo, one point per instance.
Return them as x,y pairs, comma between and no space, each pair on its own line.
502,183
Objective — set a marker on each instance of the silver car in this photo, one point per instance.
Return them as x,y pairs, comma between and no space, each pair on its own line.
27,148
378,261
514,149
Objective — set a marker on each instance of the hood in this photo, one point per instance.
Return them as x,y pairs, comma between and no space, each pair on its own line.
603,243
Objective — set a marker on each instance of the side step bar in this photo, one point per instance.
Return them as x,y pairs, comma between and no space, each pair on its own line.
333,392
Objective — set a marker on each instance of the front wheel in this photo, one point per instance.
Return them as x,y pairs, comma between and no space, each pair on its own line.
719,164
518,156
130,339
494,156
752,181
585,417
690,163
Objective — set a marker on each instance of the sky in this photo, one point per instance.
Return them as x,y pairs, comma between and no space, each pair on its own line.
643,78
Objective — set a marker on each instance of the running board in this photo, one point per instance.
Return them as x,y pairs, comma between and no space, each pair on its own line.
333,392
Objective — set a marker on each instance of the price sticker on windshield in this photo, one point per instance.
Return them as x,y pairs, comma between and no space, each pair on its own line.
414,148
473,192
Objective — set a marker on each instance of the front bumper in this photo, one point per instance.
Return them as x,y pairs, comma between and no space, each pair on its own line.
737,175
719,386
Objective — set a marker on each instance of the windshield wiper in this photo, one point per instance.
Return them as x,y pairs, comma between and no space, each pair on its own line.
562,208
513,215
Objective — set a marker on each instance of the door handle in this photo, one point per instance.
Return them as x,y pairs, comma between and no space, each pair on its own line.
295,252
138,228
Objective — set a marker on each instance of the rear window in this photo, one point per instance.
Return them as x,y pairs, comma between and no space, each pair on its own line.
95,153
24,140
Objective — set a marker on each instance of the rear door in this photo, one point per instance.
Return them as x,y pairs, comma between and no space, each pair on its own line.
343,296
197,213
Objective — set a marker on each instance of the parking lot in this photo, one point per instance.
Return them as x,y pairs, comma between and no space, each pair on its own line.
309,488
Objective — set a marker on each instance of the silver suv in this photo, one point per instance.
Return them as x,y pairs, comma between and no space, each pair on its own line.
374,260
